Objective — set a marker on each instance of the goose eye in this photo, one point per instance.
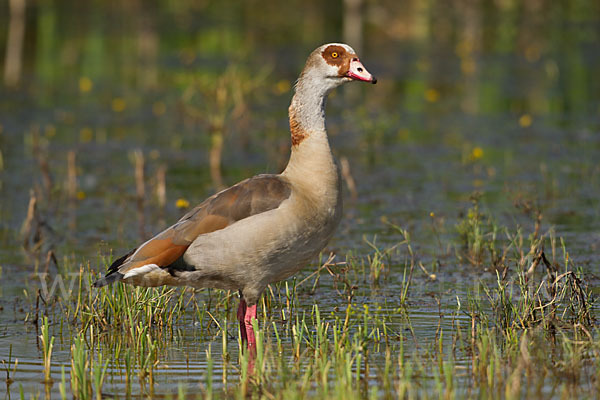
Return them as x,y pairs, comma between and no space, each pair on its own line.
334,54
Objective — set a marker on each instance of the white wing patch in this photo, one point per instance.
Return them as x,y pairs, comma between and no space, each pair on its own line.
143,270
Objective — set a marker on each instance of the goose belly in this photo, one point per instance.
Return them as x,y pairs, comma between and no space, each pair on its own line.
258,250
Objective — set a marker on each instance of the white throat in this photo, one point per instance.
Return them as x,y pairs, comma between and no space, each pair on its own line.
308,104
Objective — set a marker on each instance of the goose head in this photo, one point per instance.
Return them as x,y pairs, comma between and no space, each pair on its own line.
333,64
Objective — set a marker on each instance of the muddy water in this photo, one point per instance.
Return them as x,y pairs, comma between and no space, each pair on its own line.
468,101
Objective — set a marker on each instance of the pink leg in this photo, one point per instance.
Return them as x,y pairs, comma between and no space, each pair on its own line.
250,315
241,313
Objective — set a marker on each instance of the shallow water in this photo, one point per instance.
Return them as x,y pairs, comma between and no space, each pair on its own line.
496,99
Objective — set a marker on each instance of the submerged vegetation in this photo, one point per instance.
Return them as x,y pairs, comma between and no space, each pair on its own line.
525,328
466,265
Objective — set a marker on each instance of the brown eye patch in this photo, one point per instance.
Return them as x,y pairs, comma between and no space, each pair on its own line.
336,56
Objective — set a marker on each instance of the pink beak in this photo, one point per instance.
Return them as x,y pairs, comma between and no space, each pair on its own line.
358,72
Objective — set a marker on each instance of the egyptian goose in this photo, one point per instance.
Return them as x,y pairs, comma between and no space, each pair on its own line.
266,228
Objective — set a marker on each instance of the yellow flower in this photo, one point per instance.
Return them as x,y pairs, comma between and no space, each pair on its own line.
432,214
118,104
283,86
85,135
182,203
476,153
85,84
432,95
50,131
80,195
525,120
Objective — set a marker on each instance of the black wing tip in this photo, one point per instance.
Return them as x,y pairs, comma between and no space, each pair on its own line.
113,273
114,267
108,279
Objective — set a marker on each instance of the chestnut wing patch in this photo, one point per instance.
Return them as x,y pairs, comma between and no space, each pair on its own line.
250,197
